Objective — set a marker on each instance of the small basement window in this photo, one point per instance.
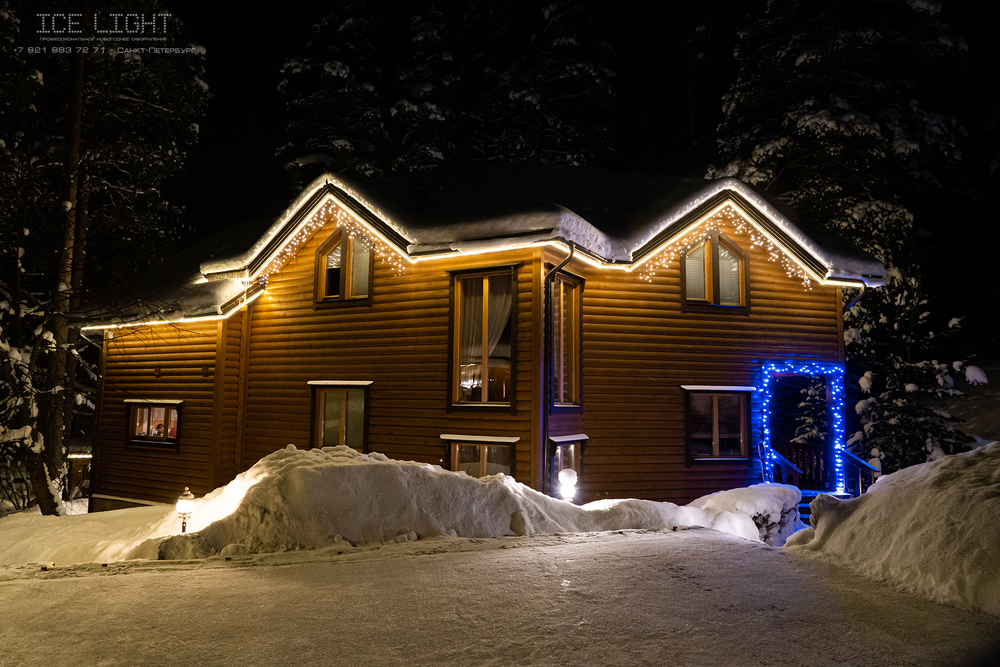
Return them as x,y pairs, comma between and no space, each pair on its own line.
481,455
154,421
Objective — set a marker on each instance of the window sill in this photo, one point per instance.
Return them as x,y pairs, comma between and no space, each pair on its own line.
482,407
169,445
714,309
339,302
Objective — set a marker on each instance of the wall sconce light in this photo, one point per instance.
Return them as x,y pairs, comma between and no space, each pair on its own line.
567,483
185,506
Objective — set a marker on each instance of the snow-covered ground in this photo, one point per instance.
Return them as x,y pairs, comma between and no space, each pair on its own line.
933,529
333,557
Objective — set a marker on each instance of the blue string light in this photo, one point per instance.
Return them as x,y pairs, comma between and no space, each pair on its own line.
835,381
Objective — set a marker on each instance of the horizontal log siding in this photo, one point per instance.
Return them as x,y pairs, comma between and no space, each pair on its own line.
228,466
639,348
399,341
185,357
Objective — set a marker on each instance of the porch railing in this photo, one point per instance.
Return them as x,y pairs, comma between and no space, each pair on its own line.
814,462
858,474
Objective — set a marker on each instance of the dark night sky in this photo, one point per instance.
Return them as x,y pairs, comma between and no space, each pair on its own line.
232,174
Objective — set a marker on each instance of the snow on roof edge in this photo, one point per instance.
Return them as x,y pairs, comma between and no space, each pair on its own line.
570,227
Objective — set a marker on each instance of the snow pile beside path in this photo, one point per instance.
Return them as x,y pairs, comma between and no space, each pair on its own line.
312,498
774,509
101,537
933,529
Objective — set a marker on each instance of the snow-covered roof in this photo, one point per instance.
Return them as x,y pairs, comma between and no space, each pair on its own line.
612,218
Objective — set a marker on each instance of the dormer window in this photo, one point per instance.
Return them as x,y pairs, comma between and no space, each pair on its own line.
714,273
344,267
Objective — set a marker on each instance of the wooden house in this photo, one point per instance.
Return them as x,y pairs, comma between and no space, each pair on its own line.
489,318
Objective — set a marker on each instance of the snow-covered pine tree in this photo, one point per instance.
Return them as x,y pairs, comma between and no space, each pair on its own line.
427,125
554,102
336,109
113,137
835,112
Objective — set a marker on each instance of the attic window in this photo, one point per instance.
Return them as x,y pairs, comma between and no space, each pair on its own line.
344,268
714,273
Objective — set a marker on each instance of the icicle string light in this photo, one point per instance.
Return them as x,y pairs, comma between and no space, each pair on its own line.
345,221
835,380
671,252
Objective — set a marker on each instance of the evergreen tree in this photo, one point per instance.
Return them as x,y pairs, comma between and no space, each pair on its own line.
490,80
88,136
554,102
336,105
833,111
428,126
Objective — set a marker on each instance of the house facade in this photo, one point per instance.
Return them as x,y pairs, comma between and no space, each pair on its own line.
488,320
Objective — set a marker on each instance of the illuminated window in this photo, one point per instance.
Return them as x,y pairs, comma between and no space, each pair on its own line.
714,273
564,301
717,425
481,455
343,270
339,411
483,344
154,422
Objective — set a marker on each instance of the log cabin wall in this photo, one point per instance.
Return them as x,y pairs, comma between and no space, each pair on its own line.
639,348
163,362
399,341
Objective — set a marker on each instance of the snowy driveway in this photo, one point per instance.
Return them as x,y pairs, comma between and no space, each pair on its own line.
690,597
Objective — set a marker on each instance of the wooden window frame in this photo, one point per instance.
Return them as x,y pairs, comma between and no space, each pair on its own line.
454,362
160,442
712,302
745,421
566,393
342,298
322,387
482,442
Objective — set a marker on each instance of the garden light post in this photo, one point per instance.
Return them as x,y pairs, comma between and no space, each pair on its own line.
185,505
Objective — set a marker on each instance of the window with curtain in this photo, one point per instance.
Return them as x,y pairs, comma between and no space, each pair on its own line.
343,269
714,272
483,339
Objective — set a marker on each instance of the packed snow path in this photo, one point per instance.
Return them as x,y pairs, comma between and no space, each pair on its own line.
689,597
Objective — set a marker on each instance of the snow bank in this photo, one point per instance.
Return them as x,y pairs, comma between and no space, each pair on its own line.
312,498
774,509
933,529
305,499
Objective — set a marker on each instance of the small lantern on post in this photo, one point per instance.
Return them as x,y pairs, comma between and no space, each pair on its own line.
185,506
